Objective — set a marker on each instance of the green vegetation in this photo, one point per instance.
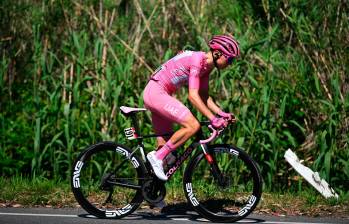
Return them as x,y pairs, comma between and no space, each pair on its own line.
27,192
66,67
22,191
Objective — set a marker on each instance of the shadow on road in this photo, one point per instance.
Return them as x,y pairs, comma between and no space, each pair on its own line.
179,211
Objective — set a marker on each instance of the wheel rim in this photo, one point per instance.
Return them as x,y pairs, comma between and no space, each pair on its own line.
98,173
234,197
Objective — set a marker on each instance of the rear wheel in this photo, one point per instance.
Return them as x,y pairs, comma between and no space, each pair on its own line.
229,194
107,180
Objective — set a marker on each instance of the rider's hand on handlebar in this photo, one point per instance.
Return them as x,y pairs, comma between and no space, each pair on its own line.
219,122
230,117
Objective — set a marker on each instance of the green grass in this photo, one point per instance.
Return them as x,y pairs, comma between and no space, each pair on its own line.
35,192
307,202
24,192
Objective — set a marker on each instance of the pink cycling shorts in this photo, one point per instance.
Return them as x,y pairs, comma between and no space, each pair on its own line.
165,109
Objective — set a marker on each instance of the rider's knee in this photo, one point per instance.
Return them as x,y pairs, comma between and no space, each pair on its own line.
192,125
195,126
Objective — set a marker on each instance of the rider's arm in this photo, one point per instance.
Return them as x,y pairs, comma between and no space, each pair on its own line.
212,105
208,101
195,98
204,87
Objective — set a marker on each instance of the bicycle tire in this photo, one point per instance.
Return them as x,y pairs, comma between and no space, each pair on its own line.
237,195
95,172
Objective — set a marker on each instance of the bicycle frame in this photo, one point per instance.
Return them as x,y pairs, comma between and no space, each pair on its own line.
137,174
134,133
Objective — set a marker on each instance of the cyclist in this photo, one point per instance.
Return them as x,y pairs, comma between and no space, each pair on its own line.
192,68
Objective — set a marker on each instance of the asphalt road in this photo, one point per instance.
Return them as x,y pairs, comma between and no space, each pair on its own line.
69,215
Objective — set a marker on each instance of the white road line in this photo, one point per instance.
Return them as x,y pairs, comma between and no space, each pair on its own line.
175,219
180,219
269,222
43,215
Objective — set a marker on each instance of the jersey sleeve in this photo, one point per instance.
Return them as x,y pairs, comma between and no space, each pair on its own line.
194,77
195,72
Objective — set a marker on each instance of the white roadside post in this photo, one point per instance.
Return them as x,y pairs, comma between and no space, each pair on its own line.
312,177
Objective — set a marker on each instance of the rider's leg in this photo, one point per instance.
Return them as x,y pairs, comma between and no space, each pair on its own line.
161,104
190,126
155,99
161,126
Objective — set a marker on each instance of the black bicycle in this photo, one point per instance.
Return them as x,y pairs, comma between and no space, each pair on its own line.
221,182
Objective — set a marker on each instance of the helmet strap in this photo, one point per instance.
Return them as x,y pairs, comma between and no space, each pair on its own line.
215,63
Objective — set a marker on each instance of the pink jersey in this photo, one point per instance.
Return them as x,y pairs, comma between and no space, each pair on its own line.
188,67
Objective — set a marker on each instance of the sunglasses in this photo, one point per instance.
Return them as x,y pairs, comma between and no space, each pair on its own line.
229,59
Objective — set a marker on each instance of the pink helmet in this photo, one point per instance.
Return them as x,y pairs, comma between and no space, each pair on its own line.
226,44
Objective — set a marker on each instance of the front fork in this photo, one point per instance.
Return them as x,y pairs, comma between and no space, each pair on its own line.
216,172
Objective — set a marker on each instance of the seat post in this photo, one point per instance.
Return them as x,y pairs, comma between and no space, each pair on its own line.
135,123
138,134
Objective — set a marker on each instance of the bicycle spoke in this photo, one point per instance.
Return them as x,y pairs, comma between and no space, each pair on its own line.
126,185
226,190
215,171
109,199
107,182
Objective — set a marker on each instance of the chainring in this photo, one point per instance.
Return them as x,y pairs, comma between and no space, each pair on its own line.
153,191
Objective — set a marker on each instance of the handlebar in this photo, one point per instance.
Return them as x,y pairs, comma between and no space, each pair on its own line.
212,137
215,133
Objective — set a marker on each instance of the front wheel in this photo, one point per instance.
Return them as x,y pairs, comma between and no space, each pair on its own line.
227,190
107,180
